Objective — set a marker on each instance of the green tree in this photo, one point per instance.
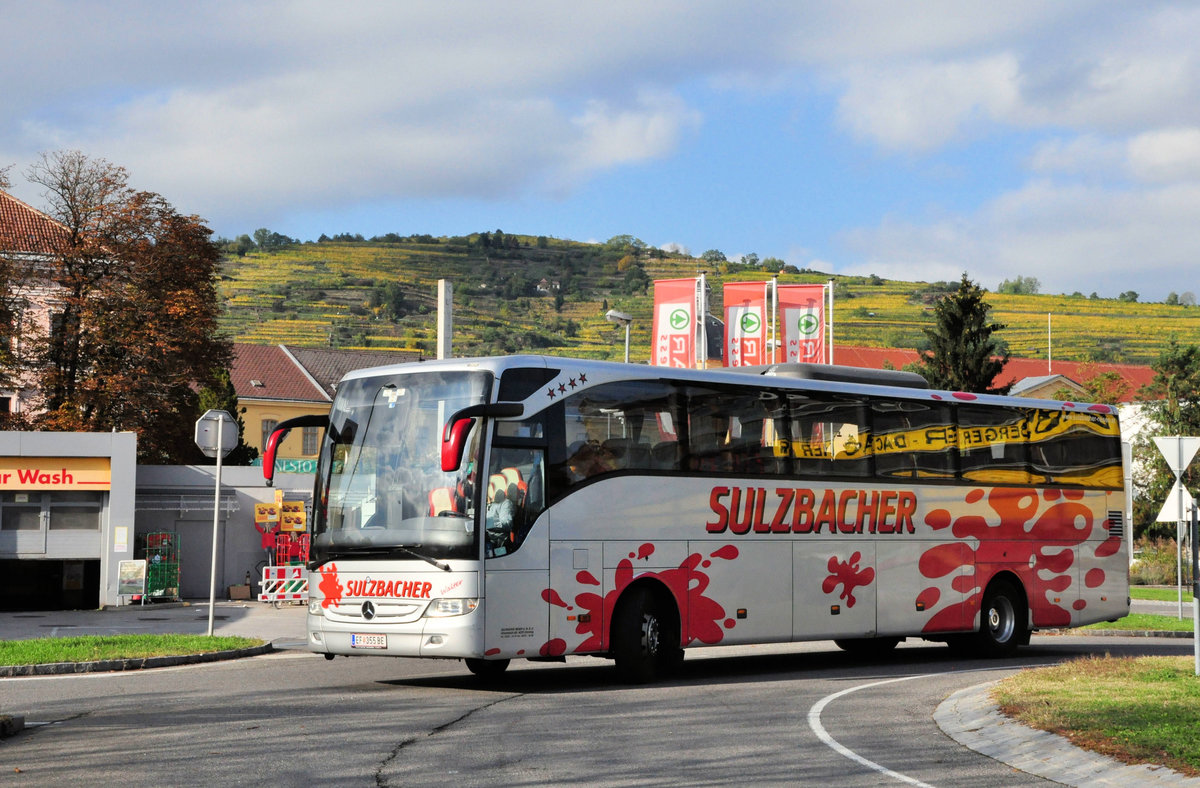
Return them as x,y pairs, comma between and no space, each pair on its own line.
964,354
1172,407
1129,296
713,256
1022,285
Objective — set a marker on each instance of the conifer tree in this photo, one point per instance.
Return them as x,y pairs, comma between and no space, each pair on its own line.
964,353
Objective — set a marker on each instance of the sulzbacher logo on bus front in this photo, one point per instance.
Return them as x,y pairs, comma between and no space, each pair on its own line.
408,589
334,588
742,510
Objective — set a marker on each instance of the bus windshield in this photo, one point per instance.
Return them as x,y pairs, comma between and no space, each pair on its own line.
380,490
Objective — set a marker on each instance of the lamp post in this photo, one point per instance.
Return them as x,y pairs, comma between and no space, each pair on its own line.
613,316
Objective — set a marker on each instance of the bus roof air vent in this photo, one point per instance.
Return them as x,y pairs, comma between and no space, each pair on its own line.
872,377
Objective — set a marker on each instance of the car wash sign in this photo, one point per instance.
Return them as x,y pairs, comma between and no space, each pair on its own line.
55,473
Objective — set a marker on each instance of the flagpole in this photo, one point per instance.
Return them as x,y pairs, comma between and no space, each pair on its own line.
701,310
829,321
774,301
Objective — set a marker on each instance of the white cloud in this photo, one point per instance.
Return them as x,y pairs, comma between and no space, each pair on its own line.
1168,155
922,106
1084,155
1070,237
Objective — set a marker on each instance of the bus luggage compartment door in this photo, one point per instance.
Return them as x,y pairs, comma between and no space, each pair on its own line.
575,597
836,589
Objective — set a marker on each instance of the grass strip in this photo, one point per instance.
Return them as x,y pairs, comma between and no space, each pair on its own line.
92,648
1158,594
1147,622
1137,710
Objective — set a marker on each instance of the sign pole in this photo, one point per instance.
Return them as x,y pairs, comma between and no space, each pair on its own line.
1195,588
212,580
216,436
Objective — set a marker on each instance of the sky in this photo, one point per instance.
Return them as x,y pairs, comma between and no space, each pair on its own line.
918,141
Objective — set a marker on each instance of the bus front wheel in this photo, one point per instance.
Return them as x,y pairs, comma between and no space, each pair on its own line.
487,668
1002,621
645,642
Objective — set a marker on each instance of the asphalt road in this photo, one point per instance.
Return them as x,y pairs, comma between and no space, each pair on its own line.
774,715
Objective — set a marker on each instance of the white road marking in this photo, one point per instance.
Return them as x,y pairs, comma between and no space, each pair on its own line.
814,722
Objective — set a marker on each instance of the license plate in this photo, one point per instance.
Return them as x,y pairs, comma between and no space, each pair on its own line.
368,641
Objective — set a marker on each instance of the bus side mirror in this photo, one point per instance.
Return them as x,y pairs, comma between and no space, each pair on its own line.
278,434
458,426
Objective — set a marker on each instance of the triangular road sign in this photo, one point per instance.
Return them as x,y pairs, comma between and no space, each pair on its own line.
1178,506
1178,452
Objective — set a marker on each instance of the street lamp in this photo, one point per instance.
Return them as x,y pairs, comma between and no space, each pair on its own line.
613,316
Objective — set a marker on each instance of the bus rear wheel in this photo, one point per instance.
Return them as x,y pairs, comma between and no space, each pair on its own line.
487,668
645,639
1002,621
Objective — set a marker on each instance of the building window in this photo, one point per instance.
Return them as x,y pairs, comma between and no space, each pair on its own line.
21,511
268,426
75,511
61,510
311,436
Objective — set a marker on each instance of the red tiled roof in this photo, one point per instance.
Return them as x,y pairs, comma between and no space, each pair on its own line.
329,366
1134,375
277,372
25,229
266,372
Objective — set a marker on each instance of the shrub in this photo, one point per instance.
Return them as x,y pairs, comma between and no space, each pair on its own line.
1154,564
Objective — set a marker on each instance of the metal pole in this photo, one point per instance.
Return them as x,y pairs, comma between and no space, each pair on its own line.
829,322
212,581
626,341
1179,565
1179,532
1195,589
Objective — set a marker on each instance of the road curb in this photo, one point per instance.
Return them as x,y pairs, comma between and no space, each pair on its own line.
1120,633
132,663
971,718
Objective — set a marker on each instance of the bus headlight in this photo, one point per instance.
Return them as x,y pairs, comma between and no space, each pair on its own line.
443,608
314,607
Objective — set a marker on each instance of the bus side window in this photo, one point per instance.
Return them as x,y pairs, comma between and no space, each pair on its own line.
1076,448
830,436
993,445
912,439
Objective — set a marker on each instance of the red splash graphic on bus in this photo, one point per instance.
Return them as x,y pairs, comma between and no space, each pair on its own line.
329,586
551,596
848,576
1033,533
703,617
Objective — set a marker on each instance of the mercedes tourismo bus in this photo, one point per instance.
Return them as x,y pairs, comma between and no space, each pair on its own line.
537,507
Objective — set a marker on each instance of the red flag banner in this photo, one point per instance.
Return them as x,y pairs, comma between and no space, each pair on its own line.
746,319
674,323
802,318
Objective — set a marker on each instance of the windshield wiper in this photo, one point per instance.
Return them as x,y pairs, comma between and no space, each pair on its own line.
425,558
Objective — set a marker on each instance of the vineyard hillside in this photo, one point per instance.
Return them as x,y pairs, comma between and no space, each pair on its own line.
517,293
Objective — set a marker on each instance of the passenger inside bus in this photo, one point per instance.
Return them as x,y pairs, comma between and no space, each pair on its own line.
590,459
500,515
